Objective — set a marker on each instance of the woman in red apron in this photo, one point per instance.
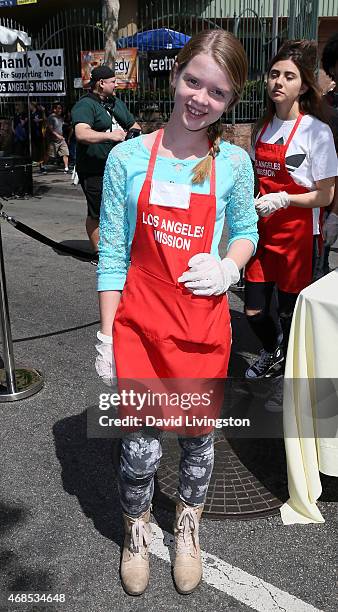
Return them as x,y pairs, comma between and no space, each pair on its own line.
171,325
295,164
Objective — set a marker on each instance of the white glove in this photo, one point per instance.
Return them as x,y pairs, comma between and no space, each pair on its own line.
269,203
104,362
330,229
208,275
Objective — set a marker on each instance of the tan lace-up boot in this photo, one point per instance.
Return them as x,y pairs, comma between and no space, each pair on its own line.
188,564
135,555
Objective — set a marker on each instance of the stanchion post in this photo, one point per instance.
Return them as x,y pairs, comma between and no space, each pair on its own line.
15,383
8,356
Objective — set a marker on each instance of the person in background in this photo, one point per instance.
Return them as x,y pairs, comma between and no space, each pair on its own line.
330,65
296,164
57,143
69,134
162,284
101,120
20,129
38,131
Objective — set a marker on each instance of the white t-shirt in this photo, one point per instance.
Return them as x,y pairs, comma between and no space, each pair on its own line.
311,155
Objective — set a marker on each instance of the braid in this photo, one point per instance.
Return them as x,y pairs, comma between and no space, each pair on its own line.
203,169
215,133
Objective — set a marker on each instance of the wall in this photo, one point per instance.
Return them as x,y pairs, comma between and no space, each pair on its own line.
239,134
128,18
326,28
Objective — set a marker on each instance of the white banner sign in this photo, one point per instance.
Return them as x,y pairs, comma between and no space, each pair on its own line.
43,71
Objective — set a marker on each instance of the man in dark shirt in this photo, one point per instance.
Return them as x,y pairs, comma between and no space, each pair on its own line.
101,121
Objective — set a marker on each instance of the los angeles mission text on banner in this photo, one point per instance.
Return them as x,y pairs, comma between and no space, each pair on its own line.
41,72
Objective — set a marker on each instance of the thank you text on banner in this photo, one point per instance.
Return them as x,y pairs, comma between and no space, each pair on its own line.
42,71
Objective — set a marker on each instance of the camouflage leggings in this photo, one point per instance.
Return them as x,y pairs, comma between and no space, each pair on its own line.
140,457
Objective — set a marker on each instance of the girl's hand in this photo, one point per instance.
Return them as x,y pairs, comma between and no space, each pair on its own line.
208,275
105,362
269,203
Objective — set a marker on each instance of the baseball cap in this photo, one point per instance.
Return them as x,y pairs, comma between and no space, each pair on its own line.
101,72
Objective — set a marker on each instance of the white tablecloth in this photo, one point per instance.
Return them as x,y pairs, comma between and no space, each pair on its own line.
310,414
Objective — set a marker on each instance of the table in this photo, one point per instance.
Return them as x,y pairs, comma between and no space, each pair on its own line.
310,404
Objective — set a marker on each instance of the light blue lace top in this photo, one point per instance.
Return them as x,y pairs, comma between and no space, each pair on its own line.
123,178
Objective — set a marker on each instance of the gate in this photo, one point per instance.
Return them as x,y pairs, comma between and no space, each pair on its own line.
261,25
255,22
153,99
303,19
254,31
72,30
8,106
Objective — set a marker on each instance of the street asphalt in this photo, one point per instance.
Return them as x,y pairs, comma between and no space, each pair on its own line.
60,521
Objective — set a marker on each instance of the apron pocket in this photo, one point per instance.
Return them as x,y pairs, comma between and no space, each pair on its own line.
162,311
201,319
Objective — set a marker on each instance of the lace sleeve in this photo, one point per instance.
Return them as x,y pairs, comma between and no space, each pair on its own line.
240,211
114,226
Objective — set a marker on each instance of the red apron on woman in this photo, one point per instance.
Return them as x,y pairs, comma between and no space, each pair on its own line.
161,330
284,253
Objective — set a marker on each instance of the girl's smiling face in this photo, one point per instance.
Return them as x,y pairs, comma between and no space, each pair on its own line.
285,82
203,92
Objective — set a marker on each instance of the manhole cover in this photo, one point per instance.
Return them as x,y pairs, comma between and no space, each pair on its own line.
234,492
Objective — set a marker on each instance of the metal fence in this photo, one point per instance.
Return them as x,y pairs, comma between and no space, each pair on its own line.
261,25
72,30
250,20
303,19
328,8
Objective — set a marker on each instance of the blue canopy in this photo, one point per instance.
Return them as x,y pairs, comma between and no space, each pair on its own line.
154,40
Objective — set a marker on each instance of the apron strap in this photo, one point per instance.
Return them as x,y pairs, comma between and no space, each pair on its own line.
152,162
212,175
299,118
265,127
153,155
213,178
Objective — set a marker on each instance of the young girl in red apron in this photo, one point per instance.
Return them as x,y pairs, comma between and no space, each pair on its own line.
171,326
295,163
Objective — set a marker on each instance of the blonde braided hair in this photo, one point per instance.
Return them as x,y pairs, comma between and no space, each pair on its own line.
203,168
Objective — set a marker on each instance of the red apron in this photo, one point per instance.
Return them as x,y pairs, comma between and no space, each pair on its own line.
161,330
284,253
